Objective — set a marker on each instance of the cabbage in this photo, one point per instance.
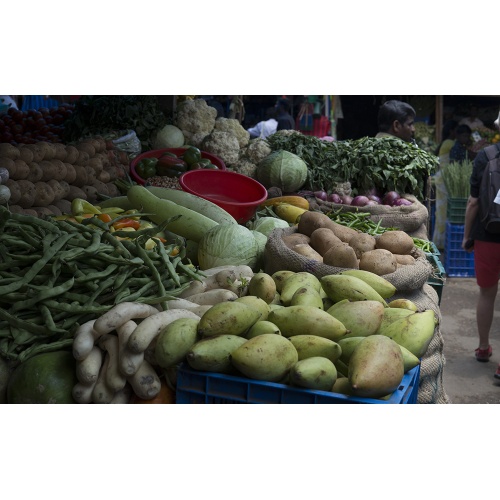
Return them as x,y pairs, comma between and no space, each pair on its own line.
169,136
265,225
228,245
282,169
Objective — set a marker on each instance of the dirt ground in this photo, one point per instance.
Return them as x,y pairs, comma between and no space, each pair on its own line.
465,380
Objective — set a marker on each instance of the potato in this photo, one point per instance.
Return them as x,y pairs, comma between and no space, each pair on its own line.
101,187
26,154
103,176
38,151
379,261
307,251
91,175
9,151
341,255
44,194
362,242
322,239
111,170
15,192
75,192
404,260
48,150
91,193
28,193
291,240
87,147
22,170
83,158
398,242
72,154
310,221
81,176
64,206
55,210
60,152
42,211
35,173
70,173
49,169
113,190
343,232
60,191
96,165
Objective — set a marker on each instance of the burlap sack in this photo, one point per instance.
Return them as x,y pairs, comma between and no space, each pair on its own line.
430,388
278,257
408,218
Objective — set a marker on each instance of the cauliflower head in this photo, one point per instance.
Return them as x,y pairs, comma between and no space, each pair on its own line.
222,144
233,126
195,118
257,150
245,167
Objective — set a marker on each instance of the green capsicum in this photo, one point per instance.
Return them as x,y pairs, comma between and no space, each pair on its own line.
191,155
146,168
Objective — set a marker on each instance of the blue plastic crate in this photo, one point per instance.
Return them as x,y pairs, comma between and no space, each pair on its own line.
457,262
197,387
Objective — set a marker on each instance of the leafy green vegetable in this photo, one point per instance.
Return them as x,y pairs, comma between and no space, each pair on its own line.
386,163
456,178
101,114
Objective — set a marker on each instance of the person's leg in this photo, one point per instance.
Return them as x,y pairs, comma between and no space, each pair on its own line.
487,267
484,314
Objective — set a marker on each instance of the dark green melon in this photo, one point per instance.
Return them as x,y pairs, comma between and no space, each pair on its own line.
45,378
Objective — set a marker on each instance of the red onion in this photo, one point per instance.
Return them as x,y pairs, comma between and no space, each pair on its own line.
346,200
322,195
390,197
359,201
371,203
402,202
375,198
334,198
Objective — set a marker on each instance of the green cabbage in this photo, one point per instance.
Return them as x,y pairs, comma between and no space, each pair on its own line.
228,245
282,169
265,225
169,136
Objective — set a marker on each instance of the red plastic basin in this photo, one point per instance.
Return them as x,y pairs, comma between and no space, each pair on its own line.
156,153
236,193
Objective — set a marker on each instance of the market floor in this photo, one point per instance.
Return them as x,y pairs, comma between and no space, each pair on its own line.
465,380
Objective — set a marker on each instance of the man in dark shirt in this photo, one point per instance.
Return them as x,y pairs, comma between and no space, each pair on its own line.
486,247
283,116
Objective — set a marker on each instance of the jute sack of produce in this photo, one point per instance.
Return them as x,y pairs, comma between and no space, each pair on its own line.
278,257
408,218
430,388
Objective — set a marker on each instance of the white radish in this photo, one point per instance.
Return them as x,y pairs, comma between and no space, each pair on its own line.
102,393
120,314
149,328
128,362
83,341
87,369
212,297
115,380
145,382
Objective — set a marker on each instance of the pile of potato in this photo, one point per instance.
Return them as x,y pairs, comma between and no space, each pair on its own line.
45,177
321,239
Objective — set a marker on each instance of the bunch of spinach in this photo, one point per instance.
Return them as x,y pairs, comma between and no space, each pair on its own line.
384,164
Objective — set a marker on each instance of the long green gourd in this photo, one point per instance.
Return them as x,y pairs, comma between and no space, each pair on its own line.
190,225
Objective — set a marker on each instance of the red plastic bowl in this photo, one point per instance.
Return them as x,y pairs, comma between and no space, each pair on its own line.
238,194
156,153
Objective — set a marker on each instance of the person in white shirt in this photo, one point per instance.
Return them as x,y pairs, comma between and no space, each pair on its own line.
266,127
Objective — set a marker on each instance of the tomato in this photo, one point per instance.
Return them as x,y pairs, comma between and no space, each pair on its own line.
17,129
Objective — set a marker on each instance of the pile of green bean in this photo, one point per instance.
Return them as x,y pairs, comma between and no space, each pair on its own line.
58,274
361,221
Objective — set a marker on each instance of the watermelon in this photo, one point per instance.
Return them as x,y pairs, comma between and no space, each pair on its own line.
45,378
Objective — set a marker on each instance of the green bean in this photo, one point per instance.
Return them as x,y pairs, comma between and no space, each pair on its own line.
75,307
168,263
17,322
